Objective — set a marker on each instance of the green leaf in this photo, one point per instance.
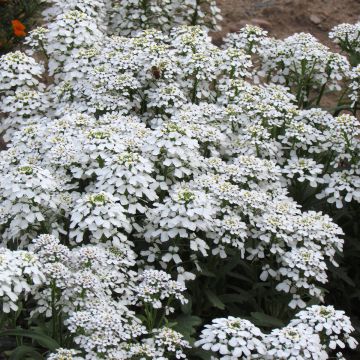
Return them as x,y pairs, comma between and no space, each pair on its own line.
342,275
44,340
200,353
233,298
208,273
22,352
240,277
262,319
214,300
185,324
187,307
230,265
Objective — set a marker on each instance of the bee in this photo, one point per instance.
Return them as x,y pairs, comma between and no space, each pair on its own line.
156,72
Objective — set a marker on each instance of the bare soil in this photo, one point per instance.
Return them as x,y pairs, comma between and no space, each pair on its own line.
285,17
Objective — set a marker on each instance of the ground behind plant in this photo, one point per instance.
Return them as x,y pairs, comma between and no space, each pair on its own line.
285,17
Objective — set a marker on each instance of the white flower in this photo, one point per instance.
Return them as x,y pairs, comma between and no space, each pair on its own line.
99,215
18,71
347,36
21,272
156,286
65,354
66,34
302,169
103,328
299,342
250,38
170,342
232,338
333,326
29,200
355,85
301,56
131,16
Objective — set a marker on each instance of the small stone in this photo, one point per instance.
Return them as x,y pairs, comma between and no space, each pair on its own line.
315,19
255,21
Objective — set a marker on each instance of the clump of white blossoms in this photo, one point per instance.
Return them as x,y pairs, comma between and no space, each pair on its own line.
81,276
21,273
250,39
301,62
232,338
96,9
310,335
144,166
20,90
130,16
295,343
65,354
70,32
355,85
18,71
29,202
347,36
99,217
170,343
154,287
330,324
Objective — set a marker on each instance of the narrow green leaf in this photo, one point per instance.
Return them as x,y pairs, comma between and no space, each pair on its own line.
185,324
233,298
214,300
200,353
23,352
240,277
44,340
208,273
262,319
186,308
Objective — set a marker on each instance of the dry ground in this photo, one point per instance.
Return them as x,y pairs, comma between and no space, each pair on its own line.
284,17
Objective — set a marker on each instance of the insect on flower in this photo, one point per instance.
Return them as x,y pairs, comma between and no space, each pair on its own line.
156,72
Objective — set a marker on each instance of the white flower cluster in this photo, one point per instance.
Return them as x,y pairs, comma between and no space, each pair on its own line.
96,9
29,203
66,35
309,335
83,276
20,90
21,273
130,16
347,36
232,338
156,286
165,345
355,85
99,215
18,71
155,152
250,39
65,354
93,288
330,324
132,164
295,343
301,62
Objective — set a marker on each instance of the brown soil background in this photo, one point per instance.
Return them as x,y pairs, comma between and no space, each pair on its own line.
285,17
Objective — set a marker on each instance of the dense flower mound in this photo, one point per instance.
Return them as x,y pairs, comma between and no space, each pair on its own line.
148,162
309,336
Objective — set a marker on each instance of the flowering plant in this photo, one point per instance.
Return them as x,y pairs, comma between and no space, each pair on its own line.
160,183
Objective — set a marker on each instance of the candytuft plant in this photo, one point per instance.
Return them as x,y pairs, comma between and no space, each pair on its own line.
163,198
